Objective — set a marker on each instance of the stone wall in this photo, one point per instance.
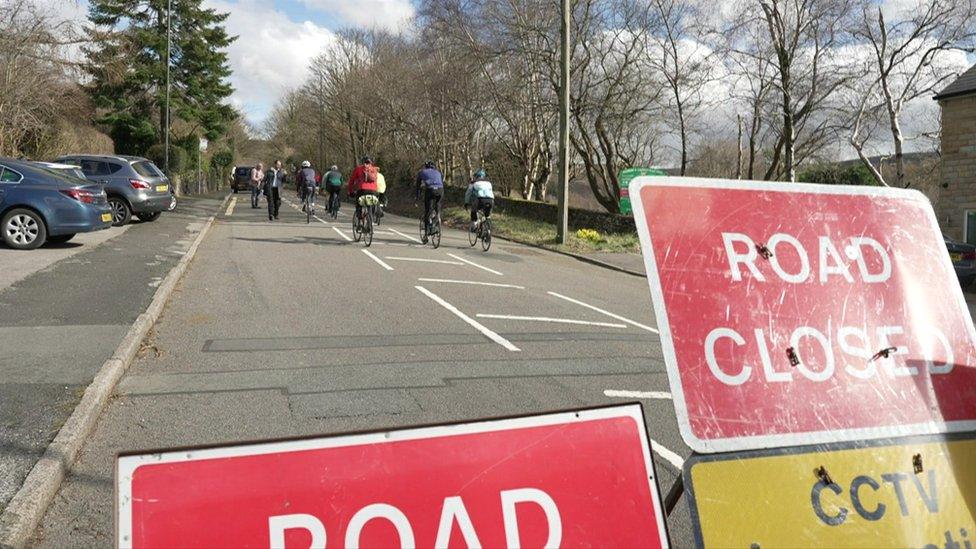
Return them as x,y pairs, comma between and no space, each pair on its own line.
958,176
578,218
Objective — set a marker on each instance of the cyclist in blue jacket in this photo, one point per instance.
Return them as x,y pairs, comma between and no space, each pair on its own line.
431,182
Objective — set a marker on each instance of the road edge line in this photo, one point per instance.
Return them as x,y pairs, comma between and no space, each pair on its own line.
27,507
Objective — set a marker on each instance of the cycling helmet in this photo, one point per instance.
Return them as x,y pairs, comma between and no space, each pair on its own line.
306,164
334,168
480,174
429,164
367,160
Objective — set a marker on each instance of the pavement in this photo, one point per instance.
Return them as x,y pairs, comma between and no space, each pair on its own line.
63,311
286,329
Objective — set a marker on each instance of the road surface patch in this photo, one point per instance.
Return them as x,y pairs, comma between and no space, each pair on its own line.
342,234
472,263
230,207
378,260
553,320
493,284
608,313
423,260
472,322
651,395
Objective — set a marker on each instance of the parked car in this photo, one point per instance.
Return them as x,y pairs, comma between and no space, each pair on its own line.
242,179
39,205
68,169
963,258
134,185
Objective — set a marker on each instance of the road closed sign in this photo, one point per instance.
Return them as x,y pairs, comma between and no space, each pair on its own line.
572,479
797,314
914,492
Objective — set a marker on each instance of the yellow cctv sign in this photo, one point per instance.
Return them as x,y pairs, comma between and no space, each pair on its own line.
911,492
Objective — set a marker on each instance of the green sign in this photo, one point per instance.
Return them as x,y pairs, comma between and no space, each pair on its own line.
628,175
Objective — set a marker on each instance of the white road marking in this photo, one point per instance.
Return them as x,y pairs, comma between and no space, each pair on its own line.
472,322
342,234
668,455
447,280
422,260
608,313
378,260
472,263
554,320
650,395
230,207
408,237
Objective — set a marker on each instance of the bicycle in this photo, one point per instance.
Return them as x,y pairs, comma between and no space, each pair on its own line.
434,235
309,205
362,224
334,204
483,232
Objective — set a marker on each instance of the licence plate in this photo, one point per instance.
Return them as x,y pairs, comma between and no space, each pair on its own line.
107,218
956,258
162,188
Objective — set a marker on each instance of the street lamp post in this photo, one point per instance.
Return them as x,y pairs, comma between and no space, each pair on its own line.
562,190
169,49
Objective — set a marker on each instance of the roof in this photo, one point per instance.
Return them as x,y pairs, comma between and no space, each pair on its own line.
964,85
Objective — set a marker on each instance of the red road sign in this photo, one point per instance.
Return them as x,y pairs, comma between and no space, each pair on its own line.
797,314
567,479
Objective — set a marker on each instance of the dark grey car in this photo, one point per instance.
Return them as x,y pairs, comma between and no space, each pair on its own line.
135,186
963,258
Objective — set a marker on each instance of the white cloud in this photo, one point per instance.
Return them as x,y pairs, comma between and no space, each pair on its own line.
271,54
386,14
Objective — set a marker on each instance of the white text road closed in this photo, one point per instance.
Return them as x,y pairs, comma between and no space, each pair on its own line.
570,479
795,314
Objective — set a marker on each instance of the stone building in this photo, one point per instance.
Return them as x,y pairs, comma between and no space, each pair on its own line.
956,207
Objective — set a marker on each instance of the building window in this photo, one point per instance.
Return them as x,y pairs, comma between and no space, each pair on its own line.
970,227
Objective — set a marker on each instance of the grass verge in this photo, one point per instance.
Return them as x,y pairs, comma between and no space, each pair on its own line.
544,234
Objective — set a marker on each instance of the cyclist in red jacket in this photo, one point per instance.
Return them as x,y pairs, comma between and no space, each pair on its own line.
362,181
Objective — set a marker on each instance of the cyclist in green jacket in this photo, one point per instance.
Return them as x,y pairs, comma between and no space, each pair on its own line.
333,183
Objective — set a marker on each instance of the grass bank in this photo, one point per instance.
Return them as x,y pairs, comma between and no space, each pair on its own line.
544,234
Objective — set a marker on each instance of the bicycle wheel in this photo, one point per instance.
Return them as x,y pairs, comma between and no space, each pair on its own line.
308,212
368,231
435,238
423,232
486,234
358,228
473,236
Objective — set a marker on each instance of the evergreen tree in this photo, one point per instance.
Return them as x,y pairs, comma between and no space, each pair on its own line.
128,68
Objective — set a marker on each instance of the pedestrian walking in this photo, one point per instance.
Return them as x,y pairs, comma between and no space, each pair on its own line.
274,181
257,179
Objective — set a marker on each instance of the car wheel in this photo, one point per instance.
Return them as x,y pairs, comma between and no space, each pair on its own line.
149,217
121,213
60,239
23,229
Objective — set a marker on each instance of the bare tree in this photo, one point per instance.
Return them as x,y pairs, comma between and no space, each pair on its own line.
905,63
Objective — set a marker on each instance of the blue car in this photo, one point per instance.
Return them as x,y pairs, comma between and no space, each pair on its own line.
39,205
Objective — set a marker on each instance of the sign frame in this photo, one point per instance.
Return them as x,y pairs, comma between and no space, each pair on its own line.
735,444
127,462
695,459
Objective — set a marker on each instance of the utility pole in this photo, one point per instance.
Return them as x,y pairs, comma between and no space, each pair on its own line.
562,191
169,50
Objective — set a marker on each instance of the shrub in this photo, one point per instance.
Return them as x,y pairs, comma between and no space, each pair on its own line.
177,157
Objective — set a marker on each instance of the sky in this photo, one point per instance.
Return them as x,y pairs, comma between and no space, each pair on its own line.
277,39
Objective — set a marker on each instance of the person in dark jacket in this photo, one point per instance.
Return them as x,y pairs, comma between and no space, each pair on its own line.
274,181
431,183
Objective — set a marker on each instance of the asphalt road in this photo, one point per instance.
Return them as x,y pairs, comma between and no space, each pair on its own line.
288,329
63,311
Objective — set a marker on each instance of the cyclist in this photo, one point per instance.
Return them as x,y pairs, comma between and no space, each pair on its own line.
307,179
333,183
380,192
430,180
362,181
479,196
